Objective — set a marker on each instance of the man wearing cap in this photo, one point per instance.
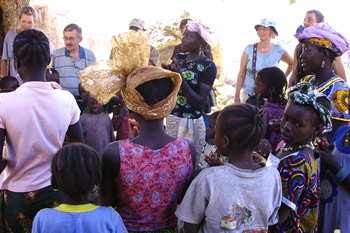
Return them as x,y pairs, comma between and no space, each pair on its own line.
312,17
138,24
71,59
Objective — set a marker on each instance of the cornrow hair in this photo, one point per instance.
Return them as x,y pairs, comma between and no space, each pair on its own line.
32,49
242,123
76,170
275,77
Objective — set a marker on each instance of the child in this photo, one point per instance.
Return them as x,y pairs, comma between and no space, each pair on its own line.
209,147
52,75
335,181
307,114
121,118
97,126
8,84
75,171
270,83
239,196
81,100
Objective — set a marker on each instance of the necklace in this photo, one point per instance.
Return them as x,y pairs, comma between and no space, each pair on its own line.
94,123
149,132
297,147
264,50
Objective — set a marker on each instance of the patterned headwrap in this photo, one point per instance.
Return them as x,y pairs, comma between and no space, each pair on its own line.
322,35
306,93
203,31
126,71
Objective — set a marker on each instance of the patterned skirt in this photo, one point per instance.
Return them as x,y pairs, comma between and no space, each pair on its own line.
192,129
17,210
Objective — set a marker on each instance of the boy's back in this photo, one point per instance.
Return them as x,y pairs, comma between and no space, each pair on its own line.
78,218
229,198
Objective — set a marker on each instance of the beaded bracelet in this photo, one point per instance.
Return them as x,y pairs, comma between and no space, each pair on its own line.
342,174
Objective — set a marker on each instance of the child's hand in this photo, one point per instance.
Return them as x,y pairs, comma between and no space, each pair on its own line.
258,159
213,160
264,148
325,150
275,125
133,128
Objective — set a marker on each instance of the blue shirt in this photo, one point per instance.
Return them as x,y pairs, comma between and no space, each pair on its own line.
78,218
263,60
68,69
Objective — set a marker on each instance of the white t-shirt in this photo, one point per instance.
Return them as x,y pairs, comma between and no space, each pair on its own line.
36,118
230,199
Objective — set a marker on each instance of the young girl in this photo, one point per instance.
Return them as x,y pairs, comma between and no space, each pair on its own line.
270,84
198,75
97,126
240,196
209,147
121,116
307,114
143,177
76,214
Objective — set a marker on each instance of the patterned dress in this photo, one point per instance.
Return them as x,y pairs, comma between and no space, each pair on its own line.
150,182
338,92
300,175
202,71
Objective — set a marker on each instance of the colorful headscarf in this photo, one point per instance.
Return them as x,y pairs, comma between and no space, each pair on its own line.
322,35
126,71
306,93
203,31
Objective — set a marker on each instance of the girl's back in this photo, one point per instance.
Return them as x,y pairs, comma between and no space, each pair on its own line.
233,199
150,183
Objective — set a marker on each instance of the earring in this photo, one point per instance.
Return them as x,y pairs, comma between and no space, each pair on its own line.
323,63
200,50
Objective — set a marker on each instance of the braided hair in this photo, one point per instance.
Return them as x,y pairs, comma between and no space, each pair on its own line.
75,170
32,49
242,123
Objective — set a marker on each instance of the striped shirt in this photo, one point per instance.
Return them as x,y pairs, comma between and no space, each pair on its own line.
68,69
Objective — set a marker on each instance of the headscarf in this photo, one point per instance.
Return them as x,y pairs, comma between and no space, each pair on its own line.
306,93
126,71
203,31
322,35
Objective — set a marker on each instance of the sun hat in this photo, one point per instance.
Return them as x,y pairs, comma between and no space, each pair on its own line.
139,23
266,22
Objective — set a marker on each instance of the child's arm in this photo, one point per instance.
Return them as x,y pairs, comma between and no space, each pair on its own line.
122,112
110,170
283,214
75,133
189,227
193,156
328,161
3,161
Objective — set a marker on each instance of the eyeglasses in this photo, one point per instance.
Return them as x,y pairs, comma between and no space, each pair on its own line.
71,39
264,29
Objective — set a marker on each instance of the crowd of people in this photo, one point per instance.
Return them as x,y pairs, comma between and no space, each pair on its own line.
122,145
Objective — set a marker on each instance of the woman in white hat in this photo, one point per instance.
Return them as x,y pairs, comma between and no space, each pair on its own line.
259,55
